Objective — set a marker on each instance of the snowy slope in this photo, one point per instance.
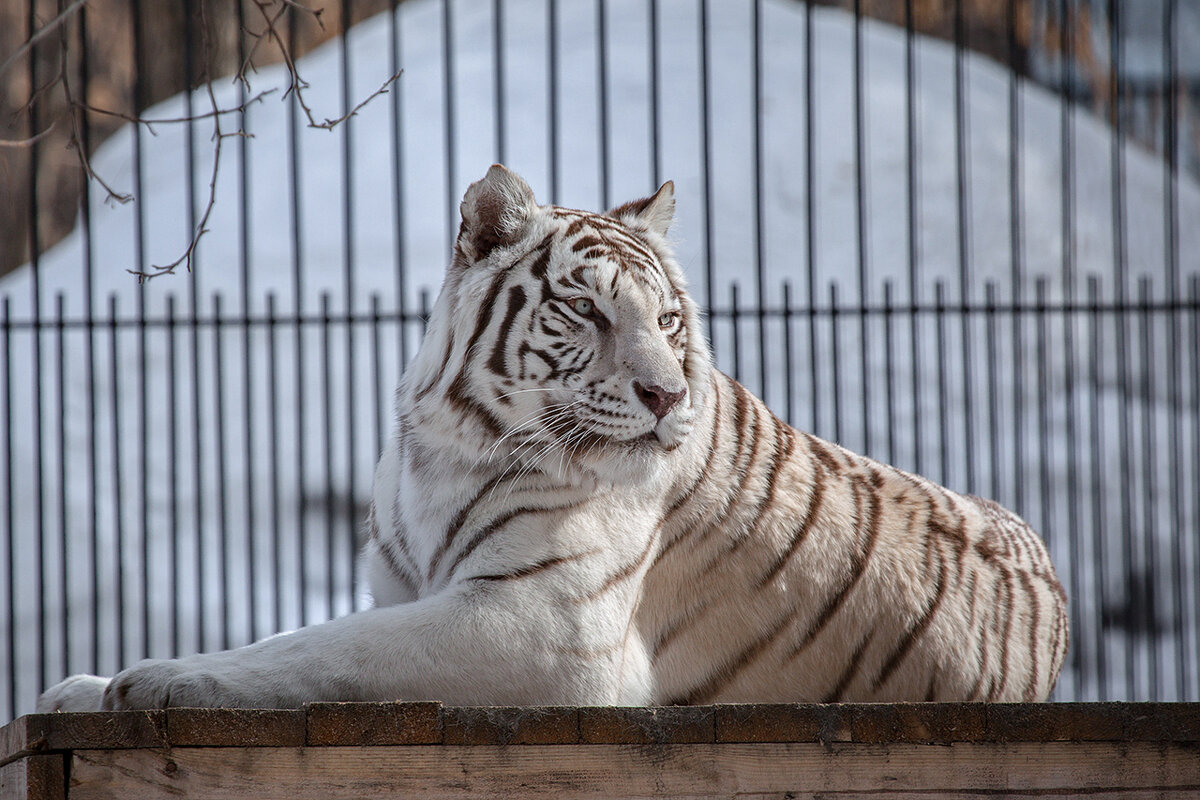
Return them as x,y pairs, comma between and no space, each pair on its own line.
299,455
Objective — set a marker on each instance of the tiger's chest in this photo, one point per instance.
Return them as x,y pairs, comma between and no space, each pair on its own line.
457,526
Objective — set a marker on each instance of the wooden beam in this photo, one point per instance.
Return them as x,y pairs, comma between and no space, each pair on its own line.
37,777
581,772
425,750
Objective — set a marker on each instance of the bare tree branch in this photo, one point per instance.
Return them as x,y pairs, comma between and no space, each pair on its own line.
272,13
150,123
15,143
218,141
43,32
297,84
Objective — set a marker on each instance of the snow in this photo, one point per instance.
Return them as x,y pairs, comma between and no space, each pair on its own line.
302,218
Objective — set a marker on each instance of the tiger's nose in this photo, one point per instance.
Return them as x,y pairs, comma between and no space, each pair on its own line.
660,401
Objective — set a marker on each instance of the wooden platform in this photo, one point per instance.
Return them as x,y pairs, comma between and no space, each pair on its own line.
425,750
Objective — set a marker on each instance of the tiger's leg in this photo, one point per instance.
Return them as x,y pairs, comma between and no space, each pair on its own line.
464,646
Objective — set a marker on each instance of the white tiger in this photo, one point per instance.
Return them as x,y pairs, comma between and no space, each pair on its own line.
577,508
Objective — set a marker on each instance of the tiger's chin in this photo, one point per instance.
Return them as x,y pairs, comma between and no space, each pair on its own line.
639,459
670,432
674,429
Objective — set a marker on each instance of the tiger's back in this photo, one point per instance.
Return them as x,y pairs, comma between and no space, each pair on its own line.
817,574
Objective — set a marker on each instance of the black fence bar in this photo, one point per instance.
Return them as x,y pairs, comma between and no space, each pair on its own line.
860,213
10,545
64,549
552,139
449,108
1098,656
1195,399
655,100
245,265
175,561
274,466
602,101
224,578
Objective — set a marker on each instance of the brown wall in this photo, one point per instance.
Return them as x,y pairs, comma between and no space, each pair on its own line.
122,76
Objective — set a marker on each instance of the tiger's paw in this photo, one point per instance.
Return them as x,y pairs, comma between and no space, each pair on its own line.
76,693
172,684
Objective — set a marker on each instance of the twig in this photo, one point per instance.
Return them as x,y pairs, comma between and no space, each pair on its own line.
150,123
218,139
297,85
44,31
330,124
75,142
16,143
315,12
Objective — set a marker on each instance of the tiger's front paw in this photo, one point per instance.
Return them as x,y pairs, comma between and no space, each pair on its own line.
174,683
76,693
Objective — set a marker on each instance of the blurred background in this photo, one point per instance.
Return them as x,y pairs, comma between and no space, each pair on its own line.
957,235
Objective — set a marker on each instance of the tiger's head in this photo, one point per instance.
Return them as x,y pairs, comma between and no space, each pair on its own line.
562,336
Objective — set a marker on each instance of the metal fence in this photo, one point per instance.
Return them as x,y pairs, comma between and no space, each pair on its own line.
954,257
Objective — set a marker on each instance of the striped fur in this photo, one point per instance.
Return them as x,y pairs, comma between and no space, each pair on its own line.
732,558
576,508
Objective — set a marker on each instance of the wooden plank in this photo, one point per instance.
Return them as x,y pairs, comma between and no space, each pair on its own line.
235,727
35,733
374,723
20,738
429,723
1026,769
1097,722
486,725
38,777
666,725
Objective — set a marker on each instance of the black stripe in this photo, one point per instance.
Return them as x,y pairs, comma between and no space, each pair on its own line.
766,498
433,379
540,264
406,572
852,670
931,691
496,524
400,539
860,561
585,242
532,569
516,302
1035,612
553,368
912,634
1007,608
457,393
749,443
815,498
981,653
821,453
725,673
704,473
623,574
458,521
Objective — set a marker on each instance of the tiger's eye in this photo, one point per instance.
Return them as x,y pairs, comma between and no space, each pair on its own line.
582,306
667,320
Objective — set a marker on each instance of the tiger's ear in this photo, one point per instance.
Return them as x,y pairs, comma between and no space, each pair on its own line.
654,213
495,212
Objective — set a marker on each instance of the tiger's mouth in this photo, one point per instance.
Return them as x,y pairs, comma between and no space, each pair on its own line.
666,435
